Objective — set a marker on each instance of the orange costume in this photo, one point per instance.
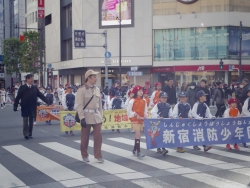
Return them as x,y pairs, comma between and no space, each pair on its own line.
139,109
146,98
233,112
156,98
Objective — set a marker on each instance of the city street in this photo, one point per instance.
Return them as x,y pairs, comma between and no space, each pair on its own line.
52,160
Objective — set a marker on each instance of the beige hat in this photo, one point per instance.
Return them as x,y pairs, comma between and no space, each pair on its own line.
90,72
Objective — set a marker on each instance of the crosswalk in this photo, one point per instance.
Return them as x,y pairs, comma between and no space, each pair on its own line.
196,169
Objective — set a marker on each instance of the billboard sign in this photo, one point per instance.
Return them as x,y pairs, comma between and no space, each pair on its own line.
79,37
109,13
41,11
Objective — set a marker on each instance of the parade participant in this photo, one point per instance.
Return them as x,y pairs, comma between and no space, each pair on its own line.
106,89
182,110
154,99
162,110
69,103
2,97
17,86
232,112
145,97
8,94
60,91
131,95
50,99
117,103
39,101
201,111
28,94
89,109
204,88
137,112
246,105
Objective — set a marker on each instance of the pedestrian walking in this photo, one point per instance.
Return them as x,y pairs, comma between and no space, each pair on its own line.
171,91
8,96
28,94
69,103
219,98
137,111
89,109
246,85
2,97
201,111
114,89
162,110
191,91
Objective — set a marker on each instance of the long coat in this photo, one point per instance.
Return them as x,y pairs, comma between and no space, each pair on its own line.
28,97
218,98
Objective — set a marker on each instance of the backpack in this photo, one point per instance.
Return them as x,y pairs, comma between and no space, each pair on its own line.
70,101
50,98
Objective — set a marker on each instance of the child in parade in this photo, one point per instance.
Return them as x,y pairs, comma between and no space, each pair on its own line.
130,96
69,103
145,97
200,111
2,97
117,103
232,112
154,99
60,91
182,110
50,99
162,110
8,95
137,112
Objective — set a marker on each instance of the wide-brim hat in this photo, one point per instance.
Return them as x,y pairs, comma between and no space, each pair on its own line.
90,72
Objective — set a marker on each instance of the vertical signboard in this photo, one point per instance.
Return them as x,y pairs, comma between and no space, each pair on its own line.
40,11
79,37
21,16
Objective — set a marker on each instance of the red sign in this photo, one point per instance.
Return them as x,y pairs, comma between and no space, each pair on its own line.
201,68
41,12
162,69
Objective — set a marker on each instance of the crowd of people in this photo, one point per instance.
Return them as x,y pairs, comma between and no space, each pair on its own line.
89,101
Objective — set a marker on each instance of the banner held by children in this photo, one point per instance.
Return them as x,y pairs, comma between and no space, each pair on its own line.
46,113
169,133
112,119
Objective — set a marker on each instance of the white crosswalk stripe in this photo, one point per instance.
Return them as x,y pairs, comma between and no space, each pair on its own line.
52,169
110,167
7,179
70,178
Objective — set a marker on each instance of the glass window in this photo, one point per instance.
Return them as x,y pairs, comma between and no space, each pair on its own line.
191,44
68,14
69,49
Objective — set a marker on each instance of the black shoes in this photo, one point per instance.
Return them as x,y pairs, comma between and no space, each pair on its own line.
26,137
30,136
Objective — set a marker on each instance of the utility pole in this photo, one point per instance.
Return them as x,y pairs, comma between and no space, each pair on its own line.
240,53
120,41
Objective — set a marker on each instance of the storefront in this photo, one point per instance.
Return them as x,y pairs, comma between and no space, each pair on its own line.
188,74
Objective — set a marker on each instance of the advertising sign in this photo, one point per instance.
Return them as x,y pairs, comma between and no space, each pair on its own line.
40,13
109,13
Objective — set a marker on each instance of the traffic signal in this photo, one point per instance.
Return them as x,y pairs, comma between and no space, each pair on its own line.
221,64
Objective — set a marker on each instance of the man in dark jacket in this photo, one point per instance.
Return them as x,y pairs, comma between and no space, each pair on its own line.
114,89
171,91
28,94
106,89
246,84
205,89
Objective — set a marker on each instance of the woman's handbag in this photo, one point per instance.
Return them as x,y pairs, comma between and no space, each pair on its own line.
77,116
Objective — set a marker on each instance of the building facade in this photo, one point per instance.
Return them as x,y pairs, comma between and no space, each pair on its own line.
167,39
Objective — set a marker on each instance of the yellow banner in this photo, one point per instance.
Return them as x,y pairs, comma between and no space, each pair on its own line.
46,113
112,119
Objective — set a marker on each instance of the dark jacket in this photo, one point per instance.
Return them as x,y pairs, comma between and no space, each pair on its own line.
219,97
171,94
191,96
28,97
106,90
206,90
244,96
238,94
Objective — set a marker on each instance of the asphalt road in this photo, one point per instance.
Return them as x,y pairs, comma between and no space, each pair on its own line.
52,160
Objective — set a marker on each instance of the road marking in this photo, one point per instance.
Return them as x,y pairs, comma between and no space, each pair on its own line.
7,179
127,154
47,166
214,181
185,156
244,171
107,166
153,184
43,131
